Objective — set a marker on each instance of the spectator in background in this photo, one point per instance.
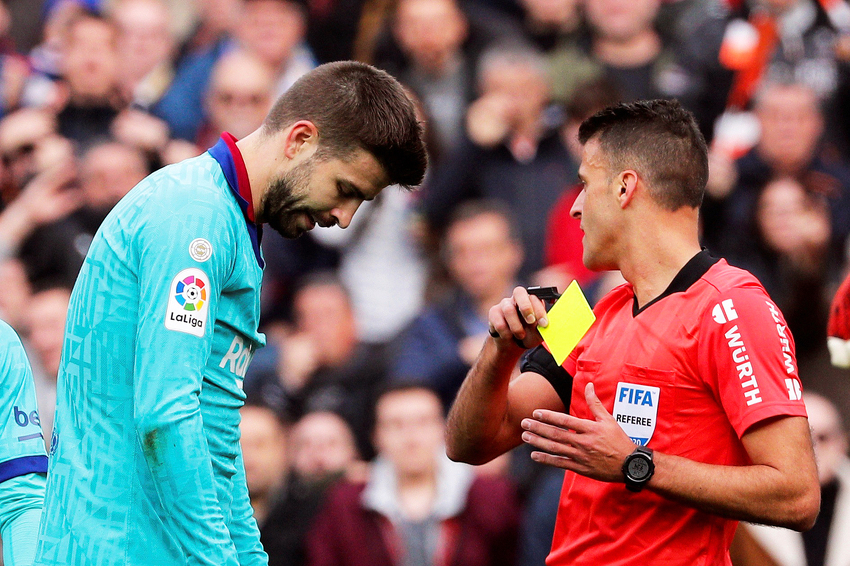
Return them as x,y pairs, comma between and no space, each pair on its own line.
743,45
514,154
215,19
551,24
828,542
90,80
623,46
45,332
39,176
331,28
791,257
482,254
264,447
238,98
183,107
790,146
29,144
417,507
271,30
431,35
14,69
321,364
42,88
321,453
274,31
382,264
55,251
146,47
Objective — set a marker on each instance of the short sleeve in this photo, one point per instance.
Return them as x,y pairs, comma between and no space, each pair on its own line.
540,361
747,358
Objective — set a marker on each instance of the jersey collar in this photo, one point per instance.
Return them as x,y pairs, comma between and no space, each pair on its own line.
233,166
696,267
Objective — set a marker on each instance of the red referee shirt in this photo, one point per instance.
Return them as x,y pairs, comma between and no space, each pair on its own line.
687,374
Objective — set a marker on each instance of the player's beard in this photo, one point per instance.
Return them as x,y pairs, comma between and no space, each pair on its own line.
282,202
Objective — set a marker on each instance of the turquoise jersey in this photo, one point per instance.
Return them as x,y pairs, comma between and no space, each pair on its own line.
23,460
145,464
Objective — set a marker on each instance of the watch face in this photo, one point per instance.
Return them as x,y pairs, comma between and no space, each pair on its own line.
638,468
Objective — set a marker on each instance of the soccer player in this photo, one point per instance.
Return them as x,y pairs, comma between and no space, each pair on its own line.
685,408
23,461
145,466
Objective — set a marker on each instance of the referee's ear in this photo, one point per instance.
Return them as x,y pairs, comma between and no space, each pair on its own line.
626,186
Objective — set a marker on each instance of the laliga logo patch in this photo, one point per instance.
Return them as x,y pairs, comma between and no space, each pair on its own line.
636,410
187,302
200,250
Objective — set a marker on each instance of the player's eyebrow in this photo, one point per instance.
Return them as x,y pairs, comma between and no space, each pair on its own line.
354,189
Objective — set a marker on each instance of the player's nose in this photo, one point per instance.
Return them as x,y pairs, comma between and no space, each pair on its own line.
345,212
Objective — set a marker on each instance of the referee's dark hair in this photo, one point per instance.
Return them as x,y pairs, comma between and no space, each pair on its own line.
356,106
661,141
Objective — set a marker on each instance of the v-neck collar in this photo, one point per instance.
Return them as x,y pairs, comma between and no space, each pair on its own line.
692,271
233,166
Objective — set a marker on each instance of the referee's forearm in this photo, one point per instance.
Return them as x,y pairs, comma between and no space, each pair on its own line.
475,430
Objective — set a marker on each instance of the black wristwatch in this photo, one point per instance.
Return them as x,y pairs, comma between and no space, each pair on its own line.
638,468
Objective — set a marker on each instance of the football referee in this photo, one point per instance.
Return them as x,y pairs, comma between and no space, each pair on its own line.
680,411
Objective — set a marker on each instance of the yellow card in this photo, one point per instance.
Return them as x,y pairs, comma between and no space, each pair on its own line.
569,320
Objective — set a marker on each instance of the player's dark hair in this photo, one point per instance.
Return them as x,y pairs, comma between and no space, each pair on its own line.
356,106
661,141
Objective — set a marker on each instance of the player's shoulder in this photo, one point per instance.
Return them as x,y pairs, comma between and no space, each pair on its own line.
197,185
198,178
732,294
724,279
615,298
8,336
11,348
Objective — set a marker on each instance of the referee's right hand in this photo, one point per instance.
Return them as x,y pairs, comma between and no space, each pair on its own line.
514,321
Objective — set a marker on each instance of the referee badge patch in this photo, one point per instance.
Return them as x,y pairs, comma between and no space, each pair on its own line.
188,302
636,410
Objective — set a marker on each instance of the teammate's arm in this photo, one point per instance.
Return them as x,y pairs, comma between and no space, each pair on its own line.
23,461
484,420
21,500
168,375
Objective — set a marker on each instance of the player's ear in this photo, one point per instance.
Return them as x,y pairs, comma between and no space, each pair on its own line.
626,186
300,137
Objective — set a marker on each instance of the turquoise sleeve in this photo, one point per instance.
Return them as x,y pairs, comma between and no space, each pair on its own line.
243,526
21,500
171,354
21,440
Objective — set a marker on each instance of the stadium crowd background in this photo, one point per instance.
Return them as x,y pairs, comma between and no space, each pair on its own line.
94,95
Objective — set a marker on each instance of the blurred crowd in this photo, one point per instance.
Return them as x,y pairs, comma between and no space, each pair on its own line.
371,330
